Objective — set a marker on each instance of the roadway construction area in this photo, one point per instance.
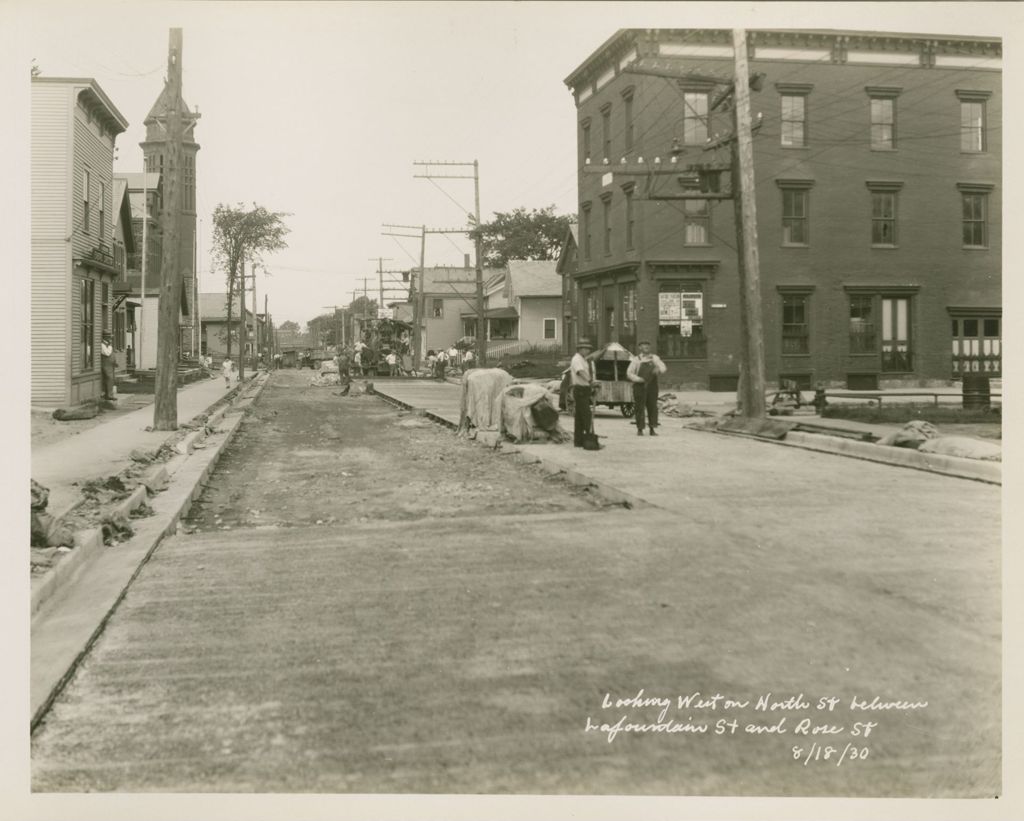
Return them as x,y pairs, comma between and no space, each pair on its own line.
361,601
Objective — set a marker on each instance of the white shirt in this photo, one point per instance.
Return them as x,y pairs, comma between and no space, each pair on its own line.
581,370
633,371
391,359
106,349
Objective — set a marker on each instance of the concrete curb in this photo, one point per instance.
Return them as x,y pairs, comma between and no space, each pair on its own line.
120,566
991,472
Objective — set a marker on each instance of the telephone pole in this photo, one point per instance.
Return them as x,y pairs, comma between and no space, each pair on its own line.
752,377
702,180
481,336
165,407
380,280
243,331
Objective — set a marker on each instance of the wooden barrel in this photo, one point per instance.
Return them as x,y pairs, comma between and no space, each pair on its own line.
976,392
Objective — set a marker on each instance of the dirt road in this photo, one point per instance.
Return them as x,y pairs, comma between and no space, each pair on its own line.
457,623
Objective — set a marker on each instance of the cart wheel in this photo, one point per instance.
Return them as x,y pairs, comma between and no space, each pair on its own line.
627,409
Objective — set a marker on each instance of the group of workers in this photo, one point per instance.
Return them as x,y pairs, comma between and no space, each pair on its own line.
438,362
643,372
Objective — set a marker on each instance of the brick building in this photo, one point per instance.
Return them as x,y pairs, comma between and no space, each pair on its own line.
877,174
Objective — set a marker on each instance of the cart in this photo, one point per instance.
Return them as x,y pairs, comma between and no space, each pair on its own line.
613,389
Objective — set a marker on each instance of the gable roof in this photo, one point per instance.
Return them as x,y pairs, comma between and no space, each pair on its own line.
123,212
455,281
569,244
215,306
534,277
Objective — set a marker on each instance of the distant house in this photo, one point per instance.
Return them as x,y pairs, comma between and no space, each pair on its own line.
566,266
144,190
213,323
123,240
446,295
522,305
74,127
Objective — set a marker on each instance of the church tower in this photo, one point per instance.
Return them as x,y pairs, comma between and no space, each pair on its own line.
154,150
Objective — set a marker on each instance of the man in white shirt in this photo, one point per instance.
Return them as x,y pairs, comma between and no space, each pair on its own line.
392,360
643,372
581,375
106,367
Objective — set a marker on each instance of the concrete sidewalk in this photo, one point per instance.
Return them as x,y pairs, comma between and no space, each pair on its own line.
105,449
678,451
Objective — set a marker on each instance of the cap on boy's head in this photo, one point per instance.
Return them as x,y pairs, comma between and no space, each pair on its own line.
584,343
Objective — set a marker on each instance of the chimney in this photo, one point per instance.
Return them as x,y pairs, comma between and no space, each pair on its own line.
465,264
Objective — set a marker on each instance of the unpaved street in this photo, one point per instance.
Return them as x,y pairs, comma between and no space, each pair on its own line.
365,603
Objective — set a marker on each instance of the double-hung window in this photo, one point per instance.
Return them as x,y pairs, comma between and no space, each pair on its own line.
696,222
793,113
795,211
627,110
585,232
85,200
974,211
883,213
882,112
795,324
695,117
606,223
630,216
88,308
606,131
585,139
973,120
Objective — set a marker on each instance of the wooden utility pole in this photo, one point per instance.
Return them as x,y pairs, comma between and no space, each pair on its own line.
380,279
165,406
243,331
481,322
481,335
417,303
255,322
752,376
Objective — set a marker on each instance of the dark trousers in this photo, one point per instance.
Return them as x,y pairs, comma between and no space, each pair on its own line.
645,403
583,417
107,376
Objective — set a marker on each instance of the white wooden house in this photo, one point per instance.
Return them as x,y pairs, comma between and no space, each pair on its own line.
74,126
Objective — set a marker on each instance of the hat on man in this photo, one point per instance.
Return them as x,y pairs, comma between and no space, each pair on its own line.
584,343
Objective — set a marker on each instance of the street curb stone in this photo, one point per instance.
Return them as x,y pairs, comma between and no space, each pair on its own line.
982,471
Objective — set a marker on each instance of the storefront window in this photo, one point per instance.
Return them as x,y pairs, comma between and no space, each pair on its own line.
681,333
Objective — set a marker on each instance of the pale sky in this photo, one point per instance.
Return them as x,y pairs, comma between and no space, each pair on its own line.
320,109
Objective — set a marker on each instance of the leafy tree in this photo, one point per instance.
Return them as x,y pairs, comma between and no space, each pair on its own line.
288,325
363,307
522,234
242,235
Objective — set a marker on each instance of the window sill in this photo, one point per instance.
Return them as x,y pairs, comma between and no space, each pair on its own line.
795,245
885,247
974,248
884,149
793,147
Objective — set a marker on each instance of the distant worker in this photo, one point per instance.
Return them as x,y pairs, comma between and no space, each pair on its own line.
643,372
344,363
581,373
467,360
440,363
227,368
392,360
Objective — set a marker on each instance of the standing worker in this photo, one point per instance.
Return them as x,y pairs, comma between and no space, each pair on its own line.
643,372
581,374
107,368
